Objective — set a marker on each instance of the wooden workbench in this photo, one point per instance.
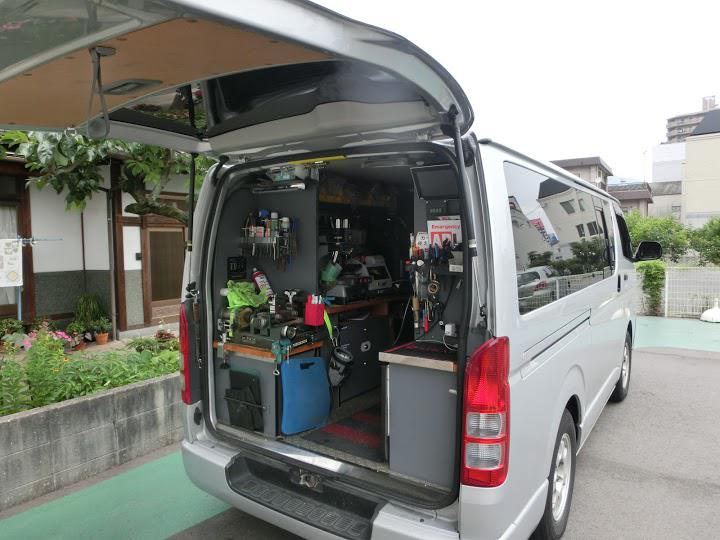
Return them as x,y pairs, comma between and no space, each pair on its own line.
407,359
266,354
377,306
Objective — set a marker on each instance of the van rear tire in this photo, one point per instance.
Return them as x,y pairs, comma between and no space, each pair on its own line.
560,486
623,384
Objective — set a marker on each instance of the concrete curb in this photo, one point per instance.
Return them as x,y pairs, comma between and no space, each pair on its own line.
51,447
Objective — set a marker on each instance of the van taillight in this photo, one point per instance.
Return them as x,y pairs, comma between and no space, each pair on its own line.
486,415
185,355
541,285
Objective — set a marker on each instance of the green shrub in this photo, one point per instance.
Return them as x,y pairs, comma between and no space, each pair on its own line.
45,360
14,394
674,237
153,345
10,326
653,281
88,307
48,376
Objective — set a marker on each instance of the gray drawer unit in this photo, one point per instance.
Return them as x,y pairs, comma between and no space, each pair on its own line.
421,409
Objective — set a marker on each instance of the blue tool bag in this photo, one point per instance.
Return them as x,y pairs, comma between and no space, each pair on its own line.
306,395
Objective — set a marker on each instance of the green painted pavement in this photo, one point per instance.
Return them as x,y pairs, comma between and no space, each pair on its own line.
154,500
678,333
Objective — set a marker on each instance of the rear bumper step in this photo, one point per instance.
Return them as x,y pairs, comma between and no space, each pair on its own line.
308,497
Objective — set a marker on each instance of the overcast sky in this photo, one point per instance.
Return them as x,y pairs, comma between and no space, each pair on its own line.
566,79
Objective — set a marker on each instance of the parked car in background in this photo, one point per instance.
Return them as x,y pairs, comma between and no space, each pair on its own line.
540,285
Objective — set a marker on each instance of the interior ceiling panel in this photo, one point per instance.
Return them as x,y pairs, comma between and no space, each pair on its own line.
174,52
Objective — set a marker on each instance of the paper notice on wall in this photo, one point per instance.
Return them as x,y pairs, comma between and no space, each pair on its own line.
445,229
10,262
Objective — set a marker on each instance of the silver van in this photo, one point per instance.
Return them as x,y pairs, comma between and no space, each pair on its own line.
357,359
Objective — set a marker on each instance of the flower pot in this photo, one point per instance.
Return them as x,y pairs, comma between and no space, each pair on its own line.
101,338
80,346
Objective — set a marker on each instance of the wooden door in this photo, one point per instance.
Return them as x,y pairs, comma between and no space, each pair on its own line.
163,259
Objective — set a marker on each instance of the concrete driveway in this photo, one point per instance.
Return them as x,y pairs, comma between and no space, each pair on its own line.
651,469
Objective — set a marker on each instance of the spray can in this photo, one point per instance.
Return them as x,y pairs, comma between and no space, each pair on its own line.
262,283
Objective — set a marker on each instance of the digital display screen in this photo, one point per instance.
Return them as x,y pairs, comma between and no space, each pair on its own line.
435,182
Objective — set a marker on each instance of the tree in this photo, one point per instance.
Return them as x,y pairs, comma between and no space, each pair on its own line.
71,162
706,241
540,259
673,236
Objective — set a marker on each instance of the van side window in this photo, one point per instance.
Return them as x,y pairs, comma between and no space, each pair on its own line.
557,251
609,225
624,237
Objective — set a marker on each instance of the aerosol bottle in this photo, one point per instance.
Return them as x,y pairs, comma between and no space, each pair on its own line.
262,283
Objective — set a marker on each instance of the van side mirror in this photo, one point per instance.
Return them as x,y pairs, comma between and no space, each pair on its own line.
648,251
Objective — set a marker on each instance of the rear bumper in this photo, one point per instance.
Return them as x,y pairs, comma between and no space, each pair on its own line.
205,465
206,461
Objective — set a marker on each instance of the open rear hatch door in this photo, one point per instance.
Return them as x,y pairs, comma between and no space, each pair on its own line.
263,76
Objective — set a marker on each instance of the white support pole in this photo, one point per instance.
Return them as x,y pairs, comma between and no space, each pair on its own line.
667,280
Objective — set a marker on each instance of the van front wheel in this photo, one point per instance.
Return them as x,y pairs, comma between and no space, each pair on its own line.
623,384
561,482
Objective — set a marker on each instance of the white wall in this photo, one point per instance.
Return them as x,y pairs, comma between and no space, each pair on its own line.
50,220
668,162
96,233
131,246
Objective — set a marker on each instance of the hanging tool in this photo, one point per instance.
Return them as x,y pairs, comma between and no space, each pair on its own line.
221,351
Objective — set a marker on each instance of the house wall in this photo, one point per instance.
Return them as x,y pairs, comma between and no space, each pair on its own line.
634,205
668,162
58,260
701,186
59,274
133,276
662,206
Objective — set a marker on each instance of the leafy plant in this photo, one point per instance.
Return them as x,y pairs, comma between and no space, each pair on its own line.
88,308
12,342
10,326
71,163
14,393
154,345
653,281
49,376
101,325
43,323
45,360
706,241
673,236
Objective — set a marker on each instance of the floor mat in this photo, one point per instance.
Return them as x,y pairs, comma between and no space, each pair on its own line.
359,435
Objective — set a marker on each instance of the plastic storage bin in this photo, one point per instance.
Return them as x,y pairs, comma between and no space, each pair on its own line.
305,394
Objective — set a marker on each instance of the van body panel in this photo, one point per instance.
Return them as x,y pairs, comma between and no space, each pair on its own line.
554,352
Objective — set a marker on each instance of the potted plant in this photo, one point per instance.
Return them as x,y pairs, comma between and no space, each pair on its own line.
76,330
102,327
